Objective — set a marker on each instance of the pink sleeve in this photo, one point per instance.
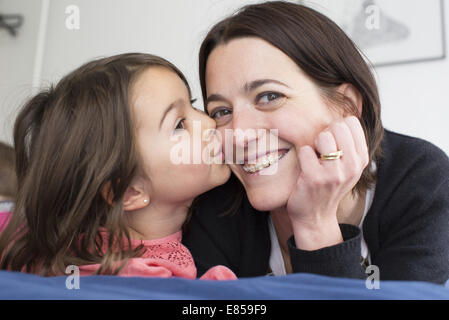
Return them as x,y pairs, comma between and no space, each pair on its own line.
145,267
4,220
219,273
135,267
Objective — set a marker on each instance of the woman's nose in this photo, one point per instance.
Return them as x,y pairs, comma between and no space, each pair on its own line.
244,127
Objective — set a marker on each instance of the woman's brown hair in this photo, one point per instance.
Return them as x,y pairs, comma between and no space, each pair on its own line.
319,47
71,141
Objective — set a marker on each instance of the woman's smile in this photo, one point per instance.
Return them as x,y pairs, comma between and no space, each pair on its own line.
255,164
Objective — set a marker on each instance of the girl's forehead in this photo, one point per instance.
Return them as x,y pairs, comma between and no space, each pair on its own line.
158,87
154,90
156,83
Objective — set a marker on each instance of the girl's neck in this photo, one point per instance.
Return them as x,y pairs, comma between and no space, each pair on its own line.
156,221
2,198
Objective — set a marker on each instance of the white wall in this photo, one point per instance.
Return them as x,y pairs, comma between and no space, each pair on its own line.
17,61
414,96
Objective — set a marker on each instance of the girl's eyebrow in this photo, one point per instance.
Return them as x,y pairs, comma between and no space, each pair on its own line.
174,105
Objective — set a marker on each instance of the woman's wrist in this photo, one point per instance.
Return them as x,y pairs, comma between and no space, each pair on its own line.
316,235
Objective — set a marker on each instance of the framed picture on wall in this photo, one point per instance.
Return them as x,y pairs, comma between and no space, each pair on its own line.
389,32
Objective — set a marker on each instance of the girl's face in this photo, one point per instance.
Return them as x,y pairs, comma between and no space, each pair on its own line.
253,85
167,128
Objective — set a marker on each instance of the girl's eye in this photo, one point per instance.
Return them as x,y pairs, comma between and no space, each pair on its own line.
219,113
180,125
268,97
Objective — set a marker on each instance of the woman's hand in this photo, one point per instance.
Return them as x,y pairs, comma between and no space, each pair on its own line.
322,184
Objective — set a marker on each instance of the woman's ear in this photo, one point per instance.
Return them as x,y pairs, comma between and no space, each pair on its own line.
350,92
136,196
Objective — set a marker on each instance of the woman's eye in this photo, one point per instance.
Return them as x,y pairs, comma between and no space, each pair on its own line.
180,125
268,97
220,113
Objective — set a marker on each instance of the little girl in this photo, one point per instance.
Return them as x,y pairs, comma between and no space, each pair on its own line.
97,185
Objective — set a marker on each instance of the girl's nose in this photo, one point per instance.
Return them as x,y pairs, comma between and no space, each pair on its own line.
207,122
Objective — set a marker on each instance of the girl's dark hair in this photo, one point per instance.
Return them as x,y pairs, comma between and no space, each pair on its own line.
319,47
72,141
8,181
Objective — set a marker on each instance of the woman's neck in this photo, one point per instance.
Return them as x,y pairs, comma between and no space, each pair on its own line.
156,220
351,208
282,226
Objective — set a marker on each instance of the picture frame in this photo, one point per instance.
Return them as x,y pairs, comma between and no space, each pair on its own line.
387,32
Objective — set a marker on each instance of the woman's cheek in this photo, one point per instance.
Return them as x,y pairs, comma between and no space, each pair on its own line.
290,129
300,128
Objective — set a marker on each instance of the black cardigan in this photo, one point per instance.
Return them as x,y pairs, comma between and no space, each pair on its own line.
406,228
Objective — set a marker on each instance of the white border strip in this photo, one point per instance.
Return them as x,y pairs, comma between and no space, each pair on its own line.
40,46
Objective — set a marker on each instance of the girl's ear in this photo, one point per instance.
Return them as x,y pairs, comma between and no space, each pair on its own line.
351,93
107,194
136,197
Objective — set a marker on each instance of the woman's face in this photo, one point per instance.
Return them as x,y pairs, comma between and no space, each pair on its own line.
168,128
253,85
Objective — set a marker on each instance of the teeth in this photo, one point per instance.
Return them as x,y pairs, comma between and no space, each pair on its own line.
263,162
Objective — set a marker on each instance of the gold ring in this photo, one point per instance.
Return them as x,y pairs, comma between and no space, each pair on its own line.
332,156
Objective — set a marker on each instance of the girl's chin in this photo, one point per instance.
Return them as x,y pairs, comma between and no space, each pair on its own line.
202,181
220,173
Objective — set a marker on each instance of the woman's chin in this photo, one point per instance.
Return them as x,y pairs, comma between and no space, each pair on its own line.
267,200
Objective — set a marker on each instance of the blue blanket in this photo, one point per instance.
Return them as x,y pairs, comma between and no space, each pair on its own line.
15,285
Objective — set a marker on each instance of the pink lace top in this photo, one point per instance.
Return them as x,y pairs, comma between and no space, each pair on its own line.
164,257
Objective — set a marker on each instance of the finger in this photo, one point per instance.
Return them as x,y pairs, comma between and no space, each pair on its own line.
358,136
308,160
325,144
344,140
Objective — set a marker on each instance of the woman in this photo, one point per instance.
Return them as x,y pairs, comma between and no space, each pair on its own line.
346,193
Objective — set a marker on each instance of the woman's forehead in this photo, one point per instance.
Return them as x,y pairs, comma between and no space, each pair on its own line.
245,60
